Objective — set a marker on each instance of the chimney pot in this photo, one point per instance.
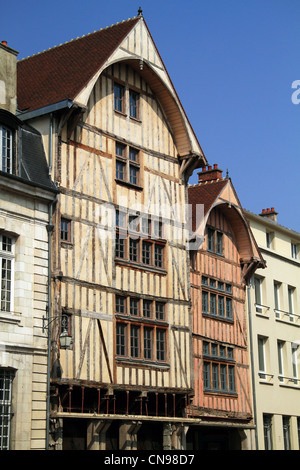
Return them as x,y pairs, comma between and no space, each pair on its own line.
209,167
5,43
272,209
215,166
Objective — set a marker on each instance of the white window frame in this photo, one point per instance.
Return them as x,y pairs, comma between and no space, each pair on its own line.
294,250
291,291
295,353
10,156
280,347
277,286
7,255
258,285
261,346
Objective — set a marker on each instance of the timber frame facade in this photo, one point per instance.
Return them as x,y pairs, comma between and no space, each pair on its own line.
220,272
120,149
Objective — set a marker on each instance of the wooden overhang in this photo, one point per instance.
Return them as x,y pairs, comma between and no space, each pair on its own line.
221,195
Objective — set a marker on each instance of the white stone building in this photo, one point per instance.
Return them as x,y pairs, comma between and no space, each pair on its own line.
274,325
26,198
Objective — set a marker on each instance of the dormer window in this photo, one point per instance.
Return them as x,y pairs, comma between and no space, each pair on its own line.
6,145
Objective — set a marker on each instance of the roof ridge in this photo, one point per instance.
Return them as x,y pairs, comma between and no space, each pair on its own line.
79,37
218,180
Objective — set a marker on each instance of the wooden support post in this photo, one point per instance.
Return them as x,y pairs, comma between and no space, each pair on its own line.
82,399
70,398
128,435
99,399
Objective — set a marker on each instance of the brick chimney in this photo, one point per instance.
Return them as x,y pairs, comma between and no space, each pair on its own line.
269,214
8,78
210,174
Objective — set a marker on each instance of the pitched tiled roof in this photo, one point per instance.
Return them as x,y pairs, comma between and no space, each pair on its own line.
206,194
61,72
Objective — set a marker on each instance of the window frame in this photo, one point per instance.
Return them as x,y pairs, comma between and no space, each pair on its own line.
150,252
68,224
215,242
131,341
215,302
4,128
294,250
134,103
7,376
218,368
119,100
124,165
7,257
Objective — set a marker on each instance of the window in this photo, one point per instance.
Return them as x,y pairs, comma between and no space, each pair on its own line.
148,342
160,344
133,104
258,294
119,97
295,349
214,241
262,357
134,341
146,327
6,147
121,339
286,432
133,250
294,250
147,308
137,246
146,252
291,291
159,310
280,346
65,230
267,422
269,239
7,270
216,305
218,368
6,380
277,299
127,164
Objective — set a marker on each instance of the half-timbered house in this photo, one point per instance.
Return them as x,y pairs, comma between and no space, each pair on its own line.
220,270
121,149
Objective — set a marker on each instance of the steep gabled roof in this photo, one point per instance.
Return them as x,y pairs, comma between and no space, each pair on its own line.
206,194
61,72
221,193
64,77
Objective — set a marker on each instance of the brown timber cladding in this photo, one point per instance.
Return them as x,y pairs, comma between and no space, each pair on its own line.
89,276
220,331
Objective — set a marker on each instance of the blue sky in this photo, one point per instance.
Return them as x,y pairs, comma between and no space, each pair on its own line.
232,63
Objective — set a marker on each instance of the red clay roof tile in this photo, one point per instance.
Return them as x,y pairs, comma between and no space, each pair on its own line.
61,72
205,194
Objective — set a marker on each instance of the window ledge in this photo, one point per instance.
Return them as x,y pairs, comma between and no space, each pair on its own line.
129,185
142,362
141,267
10,317
137,319
217,317
221,393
